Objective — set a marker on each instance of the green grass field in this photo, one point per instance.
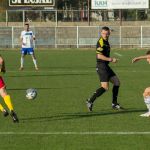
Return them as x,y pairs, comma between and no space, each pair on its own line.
65,79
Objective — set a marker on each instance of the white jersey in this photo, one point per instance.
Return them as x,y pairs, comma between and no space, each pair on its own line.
27,37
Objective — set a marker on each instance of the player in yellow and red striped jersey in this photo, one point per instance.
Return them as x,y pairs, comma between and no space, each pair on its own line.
6,97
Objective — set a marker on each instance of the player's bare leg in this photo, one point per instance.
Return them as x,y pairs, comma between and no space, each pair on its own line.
7,100
146,96
22,62
34,61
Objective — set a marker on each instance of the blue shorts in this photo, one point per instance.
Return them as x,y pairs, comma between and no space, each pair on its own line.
28,51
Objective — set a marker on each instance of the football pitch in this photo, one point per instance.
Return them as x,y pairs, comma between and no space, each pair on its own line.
58,118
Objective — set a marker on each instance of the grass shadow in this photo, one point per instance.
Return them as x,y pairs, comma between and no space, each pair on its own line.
40,88
79,115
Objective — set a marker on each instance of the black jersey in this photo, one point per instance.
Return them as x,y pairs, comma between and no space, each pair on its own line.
103,47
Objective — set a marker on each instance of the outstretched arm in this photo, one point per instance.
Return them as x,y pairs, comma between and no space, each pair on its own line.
2,65
140,58
102,57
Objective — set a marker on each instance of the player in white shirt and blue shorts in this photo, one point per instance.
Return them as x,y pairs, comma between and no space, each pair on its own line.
146,93
27,39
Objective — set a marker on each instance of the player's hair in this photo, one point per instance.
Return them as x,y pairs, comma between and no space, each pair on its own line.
105,28
26,24
148,52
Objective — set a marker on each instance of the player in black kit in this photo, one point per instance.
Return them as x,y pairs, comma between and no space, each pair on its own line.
105,73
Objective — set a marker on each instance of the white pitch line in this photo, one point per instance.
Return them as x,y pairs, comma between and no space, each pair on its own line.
74,133
118,54
72,71
50,71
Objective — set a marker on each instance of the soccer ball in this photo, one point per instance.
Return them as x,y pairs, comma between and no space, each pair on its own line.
31,94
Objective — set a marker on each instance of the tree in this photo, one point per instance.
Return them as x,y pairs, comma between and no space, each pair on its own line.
4,4
74,4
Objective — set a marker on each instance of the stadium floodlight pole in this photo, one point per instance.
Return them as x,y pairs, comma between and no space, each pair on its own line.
141,36
120,16
120,37
7,18
23,17
89,12
40,15
55,37
12,37
56,17
77,36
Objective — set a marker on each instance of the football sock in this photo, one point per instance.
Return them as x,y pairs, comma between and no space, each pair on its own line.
115,91
22,62
1,108
8,102
35,62
147,102
96,94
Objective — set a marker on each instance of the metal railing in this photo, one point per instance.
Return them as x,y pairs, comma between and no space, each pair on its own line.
57,16
77,36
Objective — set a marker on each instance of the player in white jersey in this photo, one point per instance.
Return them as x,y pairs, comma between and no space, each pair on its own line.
27,40
146,93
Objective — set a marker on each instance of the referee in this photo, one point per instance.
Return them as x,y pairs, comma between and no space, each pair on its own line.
105,73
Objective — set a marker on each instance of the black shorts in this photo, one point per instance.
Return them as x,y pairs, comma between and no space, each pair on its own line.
104,72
